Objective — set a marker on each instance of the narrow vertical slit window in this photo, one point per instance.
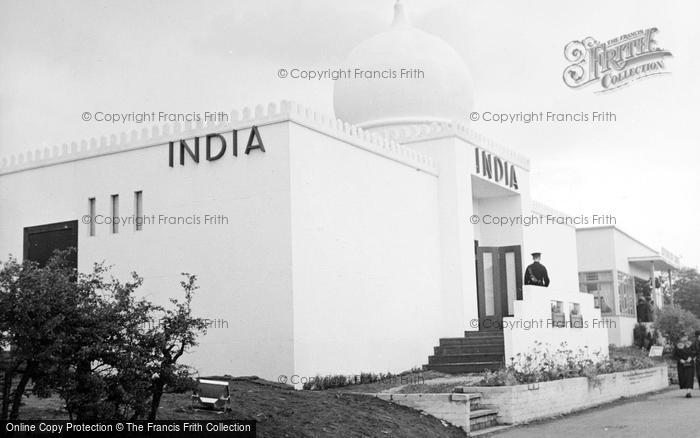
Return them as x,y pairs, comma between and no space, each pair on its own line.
91,213
138,210
115,214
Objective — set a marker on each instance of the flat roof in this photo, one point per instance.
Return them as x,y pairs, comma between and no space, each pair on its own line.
616,228
661,261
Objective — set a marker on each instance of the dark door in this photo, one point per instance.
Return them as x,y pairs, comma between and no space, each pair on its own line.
41,241
499,283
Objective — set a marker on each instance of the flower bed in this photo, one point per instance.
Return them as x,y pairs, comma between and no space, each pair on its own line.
545,364
531,401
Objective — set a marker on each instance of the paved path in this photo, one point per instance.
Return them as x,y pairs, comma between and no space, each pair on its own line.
667,414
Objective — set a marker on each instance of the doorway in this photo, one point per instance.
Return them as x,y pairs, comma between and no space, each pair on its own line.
41,241
499,283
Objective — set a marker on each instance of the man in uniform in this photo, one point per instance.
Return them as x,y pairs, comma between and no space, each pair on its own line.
536,273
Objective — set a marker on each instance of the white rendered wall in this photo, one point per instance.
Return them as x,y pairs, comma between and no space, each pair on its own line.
596,249
493,210
626,247
607,249
525,403
366,259
531,322
244,268
455,161
621,331
557,243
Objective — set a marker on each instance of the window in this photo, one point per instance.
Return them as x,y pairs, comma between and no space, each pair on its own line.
625,290
91,214
138,210
575,315
557,306
558,318
115,214
600,285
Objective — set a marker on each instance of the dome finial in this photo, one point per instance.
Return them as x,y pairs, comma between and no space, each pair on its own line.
400,18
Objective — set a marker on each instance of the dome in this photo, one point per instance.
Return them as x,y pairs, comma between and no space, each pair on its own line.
443,93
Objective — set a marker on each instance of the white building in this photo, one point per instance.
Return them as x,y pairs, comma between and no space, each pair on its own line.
609,262
349,246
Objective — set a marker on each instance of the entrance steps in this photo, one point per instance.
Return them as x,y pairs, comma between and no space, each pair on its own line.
482,419
473,353
459,408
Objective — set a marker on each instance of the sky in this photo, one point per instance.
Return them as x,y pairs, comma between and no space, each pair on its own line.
61,58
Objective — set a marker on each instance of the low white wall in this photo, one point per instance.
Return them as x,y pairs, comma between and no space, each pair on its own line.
621,330
523,403
453,408
532,322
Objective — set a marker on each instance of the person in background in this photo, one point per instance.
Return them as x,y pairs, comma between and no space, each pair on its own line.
536,273
651,311
642,310
696,354
604,308
685,361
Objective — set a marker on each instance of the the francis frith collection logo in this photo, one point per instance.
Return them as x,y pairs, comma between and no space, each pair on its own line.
615,63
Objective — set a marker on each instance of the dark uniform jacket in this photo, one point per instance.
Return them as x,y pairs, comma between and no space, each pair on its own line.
536,274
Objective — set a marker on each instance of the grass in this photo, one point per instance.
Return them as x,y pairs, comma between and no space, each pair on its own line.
282,411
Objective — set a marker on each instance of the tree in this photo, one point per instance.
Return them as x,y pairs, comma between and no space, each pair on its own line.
176,333
133,355
40,308
686,290
90,340
106,369
674,323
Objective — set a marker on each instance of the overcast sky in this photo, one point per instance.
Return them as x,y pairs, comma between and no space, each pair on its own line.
60,58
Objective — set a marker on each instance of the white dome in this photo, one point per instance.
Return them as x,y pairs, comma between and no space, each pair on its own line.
443,93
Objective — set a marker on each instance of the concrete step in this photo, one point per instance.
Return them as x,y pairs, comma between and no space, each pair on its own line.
474,398
466,358
482,419
483,333
464,367
489,430
466,390
468,349
490,340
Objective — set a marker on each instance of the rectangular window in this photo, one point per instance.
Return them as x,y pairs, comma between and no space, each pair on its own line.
625,290
115,214
600,285
91,214
138,210
558,317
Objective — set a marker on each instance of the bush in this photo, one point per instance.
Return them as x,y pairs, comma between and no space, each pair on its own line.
644,338
674,323
182,381
542,365
90,340
639,334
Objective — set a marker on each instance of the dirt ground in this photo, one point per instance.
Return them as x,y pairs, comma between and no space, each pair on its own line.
283,412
